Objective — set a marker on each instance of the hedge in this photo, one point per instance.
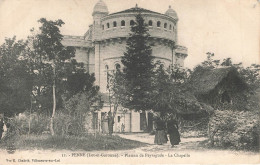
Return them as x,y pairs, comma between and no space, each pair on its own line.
234,129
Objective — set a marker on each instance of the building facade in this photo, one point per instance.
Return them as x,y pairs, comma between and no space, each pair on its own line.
104,43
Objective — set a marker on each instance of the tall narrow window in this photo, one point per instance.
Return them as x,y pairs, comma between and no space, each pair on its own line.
165,25
158,24
108,26
117,66
114,24
170,27
150,23
132,22
103,27
107,77
106,67
122,23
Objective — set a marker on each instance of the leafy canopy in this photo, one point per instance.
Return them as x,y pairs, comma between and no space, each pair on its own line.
16,80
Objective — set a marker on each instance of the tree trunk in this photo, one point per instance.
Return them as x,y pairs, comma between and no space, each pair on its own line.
54,103
30,118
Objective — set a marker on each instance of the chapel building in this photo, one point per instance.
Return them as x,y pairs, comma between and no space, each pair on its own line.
104,43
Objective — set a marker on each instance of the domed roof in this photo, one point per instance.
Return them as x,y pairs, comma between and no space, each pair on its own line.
170,12
100,7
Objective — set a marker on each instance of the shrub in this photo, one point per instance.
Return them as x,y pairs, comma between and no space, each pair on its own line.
234,129
38,123
65,124
194,128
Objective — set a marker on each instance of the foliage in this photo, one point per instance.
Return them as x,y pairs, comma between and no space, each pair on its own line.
40,74
117,89
16,80
38,123
233,129
171,95
138,67
51,63
79,108
81,81
193,126
54,69
249,74
162,91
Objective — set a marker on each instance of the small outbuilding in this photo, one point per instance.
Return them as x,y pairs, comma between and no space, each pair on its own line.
220,88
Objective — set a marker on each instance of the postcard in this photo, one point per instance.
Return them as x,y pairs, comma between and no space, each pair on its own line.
129,82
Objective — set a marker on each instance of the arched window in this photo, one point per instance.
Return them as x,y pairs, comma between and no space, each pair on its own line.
106,67
117,66
132,22
114,24
165,26
122,23
158,24
170,27
108,26
150,23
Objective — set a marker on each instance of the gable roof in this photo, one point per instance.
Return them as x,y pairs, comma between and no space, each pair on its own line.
203,81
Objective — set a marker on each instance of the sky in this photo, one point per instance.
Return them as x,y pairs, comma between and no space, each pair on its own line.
227,28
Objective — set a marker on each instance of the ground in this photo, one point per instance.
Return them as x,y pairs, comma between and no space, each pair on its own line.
189,151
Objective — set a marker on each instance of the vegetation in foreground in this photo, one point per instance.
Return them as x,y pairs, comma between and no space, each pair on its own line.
87,143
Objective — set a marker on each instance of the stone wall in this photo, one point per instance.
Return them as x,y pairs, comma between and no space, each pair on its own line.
166,32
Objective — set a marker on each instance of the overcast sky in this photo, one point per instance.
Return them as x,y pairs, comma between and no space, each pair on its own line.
229,28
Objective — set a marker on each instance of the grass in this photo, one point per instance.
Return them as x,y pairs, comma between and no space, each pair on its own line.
87,143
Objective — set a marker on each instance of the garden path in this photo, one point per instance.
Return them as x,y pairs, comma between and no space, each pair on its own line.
186,143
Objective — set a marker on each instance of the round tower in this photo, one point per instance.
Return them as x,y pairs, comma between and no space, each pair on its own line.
100,10
172,13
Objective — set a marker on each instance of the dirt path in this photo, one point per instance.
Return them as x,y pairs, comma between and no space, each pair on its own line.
189,151
186,143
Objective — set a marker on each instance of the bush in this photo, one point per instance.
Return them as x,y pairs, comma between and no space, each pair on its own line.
234,129
194,128
64,124
38,123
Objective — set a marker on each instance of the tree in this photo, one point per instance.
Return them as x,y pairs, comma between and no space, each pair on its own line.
16,80
81,82
53,58
117,89
209,63
171,92
161,91
138,67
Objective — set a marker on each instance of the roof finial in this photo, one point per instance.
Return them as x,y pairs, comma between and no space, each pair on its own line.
170,6
136,5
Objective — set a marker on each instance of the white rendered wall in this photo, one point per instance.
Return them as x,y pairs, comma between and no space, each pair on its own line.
135,120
